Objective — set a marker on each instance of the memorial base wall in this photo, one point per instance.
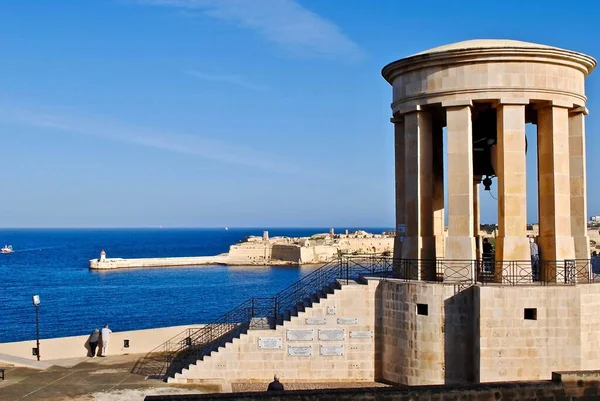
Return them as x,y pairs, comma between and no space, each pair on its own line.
333,340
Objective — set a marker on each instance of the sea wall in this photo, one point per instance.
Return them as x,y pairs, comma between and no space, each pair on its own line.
119,263
140,342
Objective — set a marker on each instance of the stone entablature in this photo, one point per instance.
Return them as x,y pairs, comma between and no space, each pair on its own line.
489,70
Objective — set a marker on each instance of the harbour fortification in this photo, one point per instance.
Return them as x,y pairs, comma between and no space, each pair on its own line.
261,251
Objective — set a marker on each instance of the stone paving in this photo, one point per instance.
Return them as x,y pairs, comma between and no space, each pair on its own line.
98,379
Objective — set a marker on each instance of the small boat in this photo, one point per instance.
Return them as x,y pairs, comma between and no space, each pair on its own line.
7,249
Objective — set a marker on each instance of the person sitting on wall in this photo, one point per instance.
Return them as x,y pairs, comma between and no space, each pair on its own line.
275,385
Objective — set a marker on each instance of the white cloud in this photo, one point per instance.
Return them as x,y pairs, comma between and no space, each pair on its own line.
108,129
229,79
283,22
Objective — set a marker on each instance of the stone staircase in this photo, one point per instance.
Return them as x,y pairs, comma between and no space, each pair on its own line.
239,358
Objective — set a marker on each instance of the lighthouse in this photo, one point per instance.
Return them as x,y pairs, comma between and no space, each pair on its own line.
102,256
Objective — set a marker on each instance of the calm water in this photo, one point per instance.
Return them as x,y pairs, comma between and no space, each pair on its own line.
54,264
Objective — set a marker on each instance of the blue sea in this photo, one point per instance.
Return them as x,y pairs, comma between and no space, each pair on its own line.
53,263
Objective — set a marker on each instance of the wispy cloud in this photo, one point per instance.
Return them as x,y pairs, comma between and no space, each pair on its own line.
229,79
109,129
282,22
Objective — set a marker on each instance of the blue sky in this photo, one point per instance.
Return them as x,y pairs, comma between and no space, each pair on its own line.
202,113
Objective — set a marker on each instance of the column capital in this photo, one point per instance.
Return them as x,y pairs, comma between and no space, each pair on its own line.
511,102
579,110
410,109
397,119
553,104
458,103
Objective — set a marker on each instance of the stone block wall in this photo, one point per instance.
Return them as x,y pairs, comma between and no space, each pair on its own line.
288,253
527,332
424,328
252,253
351,356
590,326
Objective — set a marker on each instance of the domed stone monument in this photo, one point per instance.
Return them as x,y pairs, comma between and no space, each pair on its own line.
484,92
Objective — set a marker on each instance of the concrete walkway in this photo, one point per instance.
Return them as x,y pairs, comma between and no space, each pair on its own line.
98,379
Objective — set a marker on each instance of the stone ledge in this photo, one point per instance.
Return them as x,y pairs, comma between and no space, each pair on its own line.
547,390
576,375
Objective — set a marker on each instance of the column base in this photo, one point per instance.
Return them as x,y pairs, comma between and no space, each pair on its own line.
553,252
459,262
398,241
418,254
513,261
397,256
556,248
512,249
583,265
440,249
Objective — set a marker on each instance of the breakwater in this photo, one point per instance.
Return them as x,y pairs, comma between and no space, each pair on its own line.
120,263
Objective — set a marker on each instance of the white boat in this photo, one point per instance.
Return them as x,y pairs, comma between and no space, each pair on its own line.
7,249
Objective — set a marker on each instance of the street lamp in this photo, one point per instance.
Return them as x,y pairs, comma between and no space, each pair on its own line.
36,303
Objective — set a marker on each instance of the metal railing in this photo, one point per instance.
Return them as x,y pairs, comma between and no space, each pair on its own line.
266,312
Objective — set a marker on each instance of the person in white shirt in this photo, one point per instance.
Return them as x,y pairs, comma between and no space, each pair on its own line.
105,339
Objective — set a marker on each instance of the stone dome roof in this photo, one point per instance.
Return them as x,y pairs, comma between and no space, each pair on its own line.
486,43
488,50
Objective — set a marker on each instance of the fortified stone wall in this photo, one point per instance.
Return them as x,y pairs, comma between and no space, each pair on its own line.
331,341
288,253
251,253
367,245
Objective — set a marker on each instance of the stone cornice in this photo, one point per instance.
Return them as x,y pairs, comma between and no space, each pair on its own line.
423,98
579,61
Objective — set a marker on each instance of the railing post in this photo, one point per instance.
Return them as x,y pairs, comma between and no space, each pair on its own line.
252,313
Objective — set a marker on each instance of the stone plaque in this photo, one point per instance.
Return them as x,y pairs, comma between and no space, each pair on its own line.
300,350
347,320
316,320
332,334
331,310
269,342
332,350
361,334
300,335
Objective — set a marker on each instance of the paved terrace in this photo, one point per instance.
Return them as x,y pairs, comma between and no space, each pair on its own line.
98,379
110,379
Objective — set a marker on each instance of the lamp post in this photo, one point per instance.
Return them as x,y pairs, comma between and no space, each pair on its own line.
36,303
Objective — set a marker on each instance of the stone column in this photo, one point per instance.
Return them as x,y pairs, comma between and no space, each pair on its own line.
419,243
400,186
512,245
477,217
554,191
460,243
438,189
577,165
